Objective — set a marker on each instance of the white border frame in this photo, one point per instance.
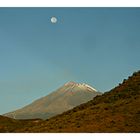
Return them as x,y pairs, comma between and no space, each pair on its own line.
69,3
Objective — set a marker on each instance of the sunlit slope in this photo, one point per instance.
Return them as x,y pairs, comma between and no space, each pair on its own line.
115,111
65,98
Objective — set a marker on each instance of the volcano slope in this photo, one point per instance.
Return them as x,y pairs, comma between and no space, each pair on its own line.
115,111
63,99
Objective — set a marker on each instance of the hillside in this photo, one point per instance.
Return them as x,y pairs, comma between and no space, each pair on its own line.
63,99
10,125
115,111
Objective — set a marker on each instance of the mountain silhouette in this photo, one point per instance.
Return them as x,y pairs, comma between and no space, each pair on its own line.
65,98
115,111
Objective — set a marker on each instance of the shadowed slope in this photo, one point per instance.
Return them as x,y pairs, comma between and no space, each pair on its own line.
11,125
115,111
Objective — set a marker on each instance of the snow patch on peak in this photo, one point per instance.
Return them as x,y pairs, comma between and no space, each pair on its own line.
71,83
88,86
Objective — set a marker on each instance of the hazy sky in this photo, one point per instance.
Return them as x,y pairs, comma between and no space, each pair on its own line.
97,46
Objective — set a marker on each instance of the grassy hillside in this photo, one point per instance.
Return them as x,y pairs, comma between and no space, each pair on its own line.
115,111
11,125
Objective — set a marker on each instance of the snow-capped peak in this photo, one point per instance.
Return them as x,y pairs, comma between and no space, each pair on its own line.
88,86
80,85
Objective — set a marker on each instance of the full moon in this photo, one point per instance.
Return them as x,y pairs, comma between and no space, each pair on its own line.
53,19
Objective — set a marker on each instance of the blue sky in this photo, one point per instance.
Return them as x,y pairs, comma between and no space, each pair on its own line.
97,46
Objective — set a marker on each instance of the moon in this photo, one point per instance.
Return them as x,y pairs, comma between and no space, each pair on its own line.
53,19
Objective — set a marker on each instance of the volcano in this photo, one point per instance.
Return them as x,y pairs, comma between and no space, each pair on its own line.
63,99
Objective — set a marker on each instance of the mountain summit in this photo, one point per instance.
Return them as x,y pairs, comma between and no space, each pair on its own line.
65,98
82,86
116,111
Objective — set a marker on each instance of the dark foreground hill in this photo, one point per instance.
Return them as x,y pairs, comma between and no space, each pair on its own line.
115,111
11,125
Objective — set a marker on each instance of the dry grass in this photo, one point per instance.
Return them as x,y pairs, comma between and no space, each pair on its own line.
115,111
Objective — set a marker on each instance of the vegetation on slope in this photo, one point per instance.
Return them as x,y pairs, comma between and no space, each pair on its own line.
115,111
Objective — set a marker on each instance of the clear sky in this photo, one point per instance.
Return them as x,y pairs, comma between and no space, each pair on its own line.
97,46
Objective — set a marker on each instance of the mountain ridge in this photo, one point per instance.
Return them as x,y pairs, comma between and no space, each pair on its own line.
64,98
114,111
